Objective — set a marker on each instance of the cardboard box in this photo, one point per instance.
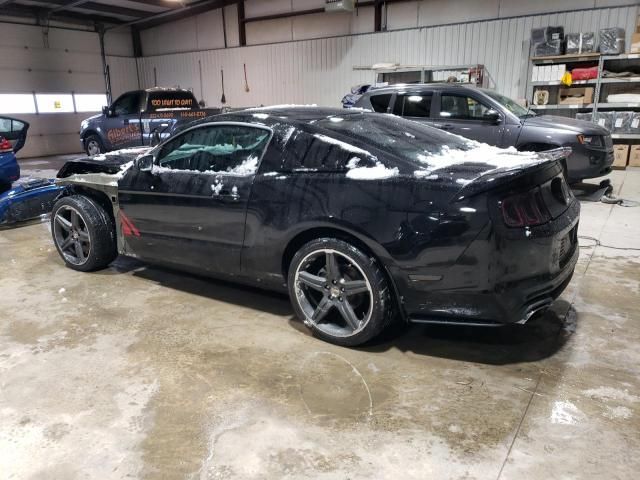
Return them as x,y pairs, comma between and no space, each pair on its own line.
575,96
635,43
634,156
621,153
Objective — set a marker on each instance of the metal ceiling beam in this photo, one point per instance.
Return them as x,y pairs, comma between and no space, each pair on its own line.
159,3
189,10
100,7
38,14
68,4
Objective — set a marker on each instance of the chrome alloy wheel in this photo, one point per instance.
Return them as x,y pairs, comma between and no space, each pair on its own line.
333,292
71,235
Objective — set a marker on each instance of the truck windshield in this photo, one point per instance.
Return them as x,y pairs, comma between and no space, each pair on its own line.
171,100
511,105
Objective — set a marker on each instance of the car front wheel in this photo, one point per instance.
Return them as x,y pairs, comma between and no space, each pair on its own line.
83,233
339,292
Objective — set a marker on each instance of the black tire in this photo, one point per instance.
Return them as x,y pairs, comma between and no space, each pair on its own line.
313,288
92,141
94,231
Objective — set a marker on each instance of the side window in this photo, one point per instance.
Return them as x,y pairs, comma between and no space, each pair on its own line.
461,107
413,105
5,125
225,148
127,104
317,152
380,102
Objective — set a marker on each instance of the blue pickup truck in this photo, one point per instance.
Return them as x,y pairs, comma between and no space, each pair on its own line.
139,118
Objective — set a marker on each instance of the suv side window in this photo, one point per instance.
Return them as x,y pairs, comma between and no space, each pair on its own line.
232,149
380,103
412,105
461,107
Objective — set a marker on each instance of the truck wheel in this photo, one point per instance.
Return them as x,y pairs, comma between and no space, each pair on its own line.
93,145
339,292
83,233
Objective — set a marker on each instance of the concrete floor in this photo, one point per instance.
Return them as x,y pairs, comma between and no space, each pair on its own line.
138,372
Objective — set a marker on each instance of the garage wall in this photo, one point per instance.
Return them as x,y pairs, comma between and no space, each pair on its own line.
321,71
60,61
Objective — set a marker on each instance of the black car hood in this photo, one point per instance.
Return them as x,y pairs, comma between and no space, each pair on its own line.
109,163
564,123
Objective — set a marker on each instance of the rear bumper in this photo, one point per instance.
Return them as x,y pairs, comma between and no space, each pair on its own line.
505,280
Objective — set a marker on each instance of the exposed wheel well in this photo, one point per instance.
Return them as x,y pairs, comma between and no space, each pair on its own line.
100,198
299,240
89,133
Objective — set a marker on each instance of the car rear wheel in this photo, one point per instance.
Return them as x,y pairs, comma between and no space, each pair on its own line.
83,233
93,145
339,292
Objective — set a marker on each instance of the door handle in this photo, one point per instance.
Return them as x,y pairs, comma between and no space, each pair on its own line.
227,195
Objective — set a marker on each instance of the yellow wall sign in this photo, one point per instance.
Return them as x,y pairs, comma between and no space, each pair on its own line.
57,104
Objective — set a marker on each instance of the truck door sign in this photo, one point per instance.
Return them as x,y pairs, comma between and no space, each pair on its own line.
122,135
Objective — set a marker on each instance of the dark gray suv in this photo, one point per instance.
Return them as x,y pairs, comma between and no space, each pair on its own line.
488,117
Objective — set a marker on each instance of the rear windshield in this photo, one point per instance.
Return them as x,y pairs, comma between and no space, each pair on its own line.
406,139
179,100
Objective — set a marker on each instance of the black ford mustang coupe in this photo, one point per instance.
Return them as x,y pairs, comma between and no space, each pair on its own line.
361,217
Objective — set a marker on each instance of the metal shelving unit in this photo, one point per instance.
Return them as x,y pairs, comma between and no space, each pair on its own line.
625,136
622,62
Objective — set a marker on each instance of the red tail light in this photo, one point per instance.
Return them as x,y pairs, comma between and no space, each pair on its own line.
525,209
5,146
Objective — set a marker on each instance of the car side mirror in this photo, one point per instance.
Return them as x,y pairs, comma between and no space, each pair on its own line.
492,116
145,163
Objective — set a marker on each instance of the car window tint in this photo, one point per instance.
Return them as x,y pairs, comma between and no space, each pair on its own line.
413,105
17,125
461,107
226,148
316,153
404,139
380,102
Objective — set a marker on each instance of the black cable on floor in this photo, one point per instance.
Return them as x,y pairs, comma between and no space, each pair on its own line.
597,243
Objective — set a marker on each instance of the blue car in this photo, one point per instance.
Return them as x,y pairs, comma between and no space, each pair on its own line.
26,199
13,135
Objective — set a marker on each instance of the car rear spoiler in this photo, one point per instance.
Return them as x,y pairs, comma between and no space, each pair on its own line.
487,181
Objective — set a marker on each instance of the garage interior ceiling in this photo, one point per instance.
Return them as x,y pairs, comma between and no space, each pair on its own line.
142,13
